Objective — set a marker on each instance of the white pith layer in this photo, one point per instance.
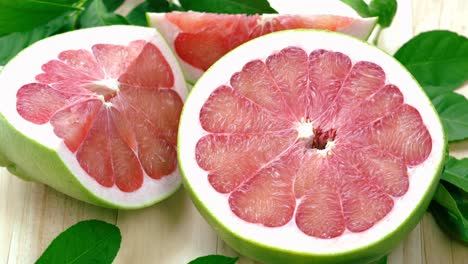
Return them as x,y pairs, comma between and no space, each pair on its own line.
26,65
289,237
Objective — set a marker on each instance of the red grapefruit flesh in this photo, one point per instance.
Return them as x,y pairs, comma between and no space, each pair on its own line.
114,108
313,139
200,39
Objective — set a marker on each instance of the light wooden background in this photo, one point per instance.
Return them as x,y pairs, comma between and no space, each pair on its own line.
173,232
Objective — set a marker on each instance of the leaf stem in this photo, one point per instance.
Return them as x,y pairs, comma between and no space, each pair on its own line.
377,36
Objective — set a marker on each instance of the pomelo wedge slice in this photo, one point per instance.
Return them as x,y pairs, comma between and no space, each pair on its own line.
309,146
94,114
200,39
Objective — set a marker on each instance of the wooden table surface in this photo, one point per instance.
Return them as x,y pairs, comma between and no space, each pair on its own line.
173,232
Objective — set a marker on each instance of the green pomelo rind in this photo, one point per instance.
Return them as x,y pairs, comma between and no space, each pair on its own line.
268,254
4,162
29,160
275,255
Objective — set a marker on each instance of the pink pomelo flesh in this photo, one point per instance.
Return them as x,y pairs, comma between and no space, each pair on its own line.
114,108
315,140
204,38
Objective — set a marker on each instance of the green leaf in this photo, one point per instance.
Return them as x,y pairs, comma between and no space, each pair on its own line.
384,9
228,6
453,111
112,5
437,59
382,260
25,15
456,172
359,6
450,208
138,15
214,259
96,14
89,241
13,43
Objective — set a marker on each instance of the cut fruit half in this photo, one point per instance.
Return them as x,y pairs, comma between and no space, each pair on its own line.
94,114
310,146
200,39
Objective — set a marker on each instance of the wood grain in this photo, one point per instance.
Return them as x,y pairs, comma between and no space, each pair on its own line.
173,232
32,215
170,232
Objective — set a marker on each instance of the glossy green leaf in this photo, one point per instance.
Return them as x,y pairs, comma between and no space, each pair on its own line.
384,9
138,15
96,14
26,15
359,6
13,43
456,172
86,242
453,111
437,59
382,260
450,210
228,6
112,5
214,259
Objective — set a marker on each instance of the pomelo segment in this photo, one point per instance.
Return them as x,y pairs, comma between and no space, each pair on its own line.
310,146
200,39
94,113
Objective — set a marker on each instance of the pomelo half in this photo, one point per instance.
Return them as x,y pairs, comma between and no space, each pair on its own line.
200,39
94,113
309,146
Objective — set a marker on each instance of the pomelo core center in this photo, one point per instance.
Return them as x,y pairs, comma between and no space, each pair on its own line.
305,129
321,140
108,88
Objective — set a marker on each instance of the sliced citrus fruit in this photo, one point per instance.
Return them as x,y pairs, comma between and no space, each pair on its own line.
94,114
200,39
310,146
